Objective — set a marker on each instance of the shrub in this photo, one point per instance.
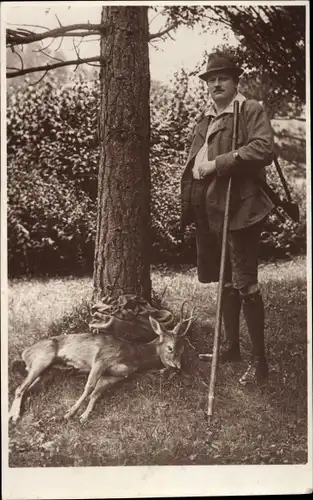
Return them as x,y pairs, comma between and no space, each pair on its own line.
284,238
55,130
51,225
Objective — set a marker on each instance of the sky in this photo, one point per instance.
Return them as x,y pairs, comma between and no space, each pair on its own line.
185,51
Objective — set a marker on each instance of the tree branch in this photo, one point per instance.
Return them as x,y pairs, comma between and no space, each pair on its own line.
21,36
41,78
48,67
159,34
41,51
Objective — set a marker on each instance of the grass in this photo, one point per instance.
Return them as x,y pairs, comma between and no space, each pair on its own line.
153,421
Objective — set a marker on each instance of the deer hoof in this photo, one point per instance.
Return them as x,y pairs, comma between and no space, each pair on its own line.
13,418
83,418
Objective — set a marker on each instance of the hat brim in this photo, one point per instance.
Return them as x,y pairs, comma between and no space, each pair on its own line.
234,71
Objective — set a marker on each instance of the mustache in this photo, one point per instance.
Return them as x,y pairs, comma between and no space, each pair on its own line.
218,89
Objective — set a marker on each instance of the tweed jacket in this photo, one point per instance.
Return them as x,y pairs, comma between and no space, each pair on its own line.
255,146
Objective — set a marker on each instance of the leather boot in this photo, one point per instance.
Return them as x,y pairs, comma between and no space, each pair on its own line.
253,309
231,313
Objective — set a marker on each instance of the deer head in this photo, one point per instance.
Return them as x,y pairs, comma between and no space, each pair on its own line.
172,342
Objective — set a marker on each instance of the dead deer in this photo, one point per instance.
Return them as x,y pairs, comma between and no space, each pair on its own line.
106,358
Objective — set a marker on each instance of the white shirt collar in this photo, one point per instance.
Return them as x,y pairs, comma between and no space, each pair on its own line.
211,110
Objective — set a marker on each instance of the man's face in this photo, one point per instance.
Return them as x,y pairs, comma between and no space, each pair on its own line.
222,87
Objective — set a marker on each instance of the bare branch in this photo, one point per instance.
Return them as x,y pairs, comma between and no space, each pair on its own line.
157,14
76,46
60,43
76,49
41,78
161,33
91,40
48,67
21,59
81,33
30,25
60,24
94,65
79,43
49,55
18,36
47,46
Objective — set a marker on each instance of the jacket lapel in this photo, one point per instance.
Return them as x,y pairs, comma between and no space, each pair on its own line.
217,125
202,127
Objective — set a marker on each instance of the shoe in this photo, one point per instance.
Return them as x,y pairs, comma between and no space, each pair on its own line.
256,374
230,355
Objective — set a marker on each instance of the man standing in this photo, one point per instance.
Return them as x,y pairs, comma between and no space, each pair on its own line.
203,190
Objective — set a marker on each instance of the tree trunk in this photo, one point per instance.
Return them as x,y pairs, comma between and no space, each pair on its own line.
122,253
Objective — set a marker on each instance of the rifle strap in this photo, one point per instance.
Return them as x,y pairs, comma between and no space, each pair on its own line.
282,178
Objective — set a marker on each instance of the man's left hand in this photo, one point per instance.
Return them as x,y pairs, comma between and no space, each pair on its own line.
207,168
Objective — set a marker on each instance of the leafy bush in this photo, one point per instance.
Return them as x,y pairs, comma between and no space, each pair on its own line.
57,129
284,238
173,115
51,225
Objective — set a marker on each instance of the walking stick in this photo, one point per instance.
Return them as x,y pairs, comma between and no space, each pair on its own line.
218,318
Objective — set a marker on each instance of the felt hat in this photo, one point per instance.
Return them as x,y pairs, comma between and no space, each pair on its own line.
220,62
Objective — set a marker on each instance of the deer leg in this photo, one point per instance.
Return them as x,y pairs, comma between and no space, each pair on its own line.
34,383
93,377
102,384
32,378
37,359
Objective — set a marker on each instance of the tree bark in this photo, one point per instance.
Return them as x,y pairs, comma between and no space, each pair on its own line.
122,252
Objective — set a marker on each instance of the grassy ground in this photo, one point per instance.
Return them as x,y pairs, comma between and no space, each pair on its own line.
151,421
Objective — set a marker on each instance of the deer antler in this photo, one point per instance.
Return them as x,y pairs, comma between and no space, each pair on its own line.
181,314
189,321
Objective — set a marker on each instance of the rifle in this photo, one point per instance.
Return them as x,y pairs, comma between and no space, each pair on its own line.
290,208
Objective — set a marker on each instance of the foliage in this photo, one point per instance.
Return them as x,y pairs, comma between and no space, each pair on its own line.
53,157
29,56
173,114
272,38
283,237
56,127
51,224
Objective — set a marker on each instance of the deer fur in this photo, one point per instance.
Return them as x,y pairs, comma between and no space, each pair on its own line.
106,358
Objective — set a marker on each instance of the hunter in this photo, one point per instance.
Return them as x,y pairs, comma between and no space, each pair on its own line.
203,190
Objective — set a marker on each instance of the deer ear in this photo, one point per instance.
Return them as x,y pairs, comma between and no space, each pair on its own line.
156,326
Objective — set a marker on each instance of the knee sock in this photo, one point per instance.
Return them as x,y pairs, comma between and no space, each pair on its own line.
253,309
231,313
